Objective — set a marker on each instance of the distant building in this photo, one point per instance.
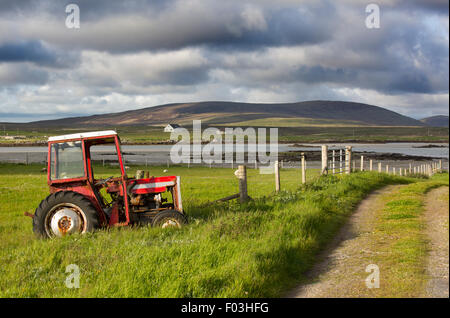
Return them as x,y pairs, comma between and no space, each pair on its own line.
171,127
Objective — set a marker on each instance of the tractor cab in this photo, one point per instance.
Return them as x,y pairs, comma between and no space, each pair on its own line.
80,202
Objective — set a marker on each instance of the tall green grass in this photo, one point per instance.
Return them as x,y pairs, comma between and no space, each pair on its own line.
259,249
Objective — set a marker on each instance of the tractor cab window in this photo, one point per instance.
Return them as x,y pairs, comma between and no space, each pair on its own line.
67,160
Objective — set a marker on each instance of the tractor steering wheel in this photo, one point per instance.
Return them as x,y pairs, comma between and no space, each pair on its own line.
104,181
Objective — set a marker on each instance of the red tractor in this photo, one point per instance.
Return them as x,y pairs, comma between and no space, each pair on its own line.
80,203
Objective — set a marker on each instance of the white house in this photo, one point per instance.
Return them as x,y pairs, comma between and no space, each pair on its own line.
171,127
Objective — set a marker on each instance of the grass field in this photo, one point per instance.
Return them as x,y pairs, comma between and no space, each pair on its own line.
228,250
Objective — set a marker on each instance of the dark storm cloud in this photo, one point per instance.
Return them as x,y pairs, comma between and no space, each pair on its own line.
121,27
439,6
33,51
167,50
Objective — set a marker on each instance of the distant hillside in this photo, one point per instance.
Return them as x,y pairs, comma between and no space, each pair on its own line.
436,121
325,113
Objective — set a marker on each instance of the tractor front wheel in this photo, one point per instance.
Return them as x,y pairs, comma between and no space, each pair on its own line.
63,213
169,218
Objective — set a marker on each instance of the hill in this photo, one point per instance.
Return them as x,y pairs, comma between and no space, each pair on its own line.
436,121
322,113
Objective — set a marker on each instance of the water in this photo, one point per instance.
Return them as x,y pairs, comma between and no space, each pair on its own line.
159,154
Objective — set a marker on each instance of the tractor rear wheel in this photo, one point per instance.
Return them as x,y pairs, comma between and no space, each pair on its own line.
169,218
63,213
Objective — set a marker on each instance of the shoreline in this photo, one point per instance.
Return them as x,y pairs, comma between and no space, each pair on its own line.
294,143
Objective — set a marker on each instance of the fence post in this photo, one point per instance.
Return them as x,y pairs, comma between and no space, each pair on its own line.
324,159
440,165
410,167
140,174
379,167
26,159
362,163
303,168
371,165
393,171
242,175
341,169
387,169
334,162
256,164
277,176
348,159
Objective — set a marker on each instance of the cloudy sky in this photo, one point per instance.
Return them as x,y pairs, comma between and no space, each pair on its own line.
134,54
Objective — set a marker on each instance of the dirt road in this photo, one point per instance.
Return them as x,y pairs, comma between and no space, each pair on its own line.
340,271
334,274
436,216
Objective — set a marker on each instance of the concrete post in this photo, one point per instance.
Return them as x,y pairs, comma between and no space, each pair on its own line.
348,159
334,162
324,159
303,168
277,176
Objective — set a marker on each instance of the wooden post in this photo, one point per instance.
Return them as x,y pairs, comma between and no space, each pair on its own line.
303,168
334,162
440,165
393,171
415,170
242,176
277,176
146,162
140,174
371,165
400,172
379,167
324,159
341,169
168,164
348,159
27,160
387,168
354,165
362,163
256,164
410,168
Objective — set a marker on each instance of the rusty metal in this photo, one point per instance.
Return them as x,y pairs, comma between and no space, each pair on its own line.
26,213
132,198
